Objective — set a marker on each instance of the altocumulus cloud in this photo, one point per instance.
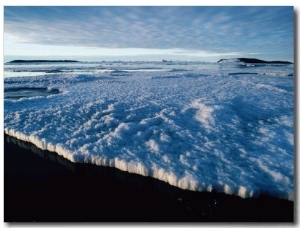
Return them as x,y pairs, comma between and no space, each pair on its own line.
208,29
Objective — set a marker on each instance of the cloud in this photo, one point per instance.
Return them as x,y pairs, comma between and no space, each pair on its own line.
210,29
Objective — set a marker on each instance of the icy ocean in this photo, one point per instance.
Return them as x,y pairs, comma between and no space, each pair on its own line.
224,127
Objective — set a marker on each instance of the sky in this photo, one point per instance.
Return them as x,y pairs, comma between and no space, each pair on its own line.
202,33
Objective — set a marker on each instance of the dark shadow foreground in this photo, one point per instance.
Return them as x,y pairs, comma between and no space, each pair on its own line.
41,186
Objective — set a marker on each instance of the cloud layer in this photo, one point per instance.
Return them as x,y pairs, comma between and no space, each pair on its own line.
210,29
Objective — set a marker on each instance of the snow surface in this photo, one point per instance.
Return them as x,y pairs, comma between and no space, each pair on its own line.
197,126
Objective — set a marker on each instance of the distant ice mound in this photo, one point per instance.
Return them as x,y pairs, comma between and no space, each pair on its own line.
252,61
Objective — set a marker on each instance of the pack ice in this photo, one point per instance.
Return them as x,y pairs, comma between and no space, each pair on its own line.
197,126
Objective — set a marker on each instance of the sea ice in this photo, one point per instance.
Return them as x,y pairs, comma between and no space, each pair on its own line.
198,126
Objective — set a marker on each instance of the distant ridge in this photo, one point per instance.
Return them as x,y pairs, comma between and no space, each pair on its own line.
250,60
43,61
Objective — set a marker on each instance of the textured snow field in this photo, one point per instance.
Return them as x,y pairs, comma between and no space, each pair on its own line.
196,126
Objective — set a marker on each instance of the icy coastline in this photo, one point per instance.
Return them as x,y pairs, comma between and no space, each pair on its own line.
197,129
